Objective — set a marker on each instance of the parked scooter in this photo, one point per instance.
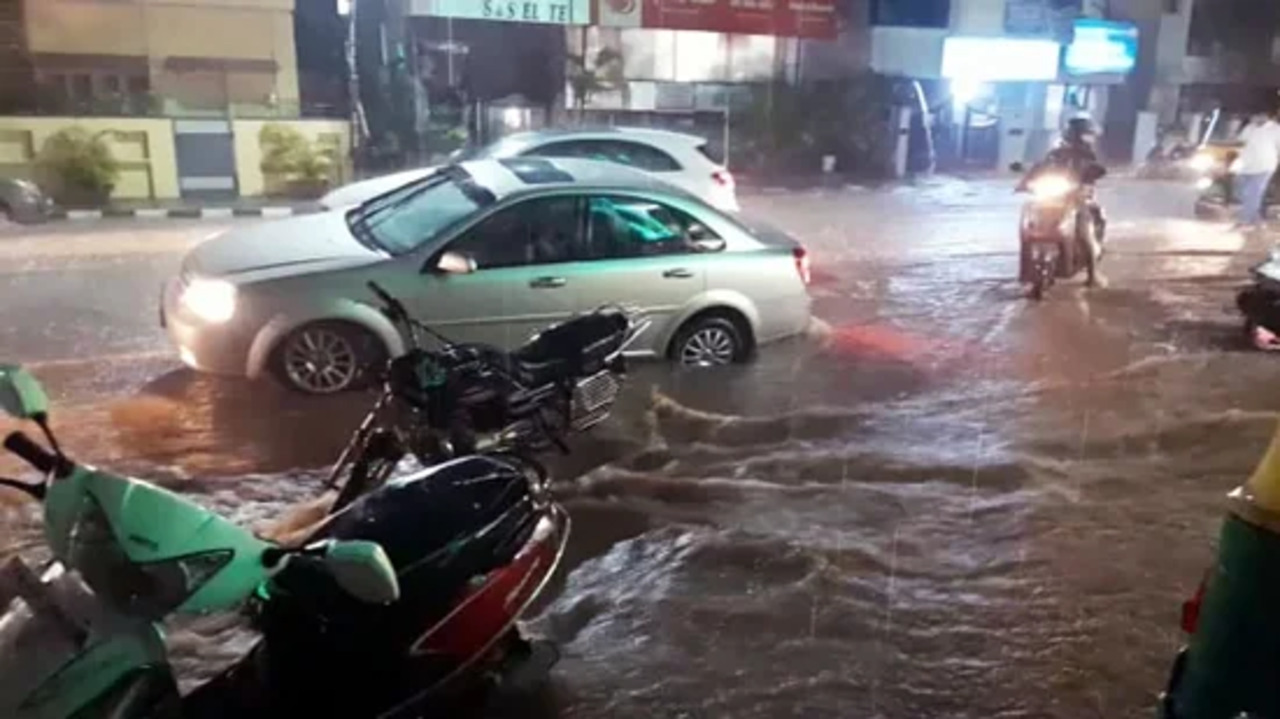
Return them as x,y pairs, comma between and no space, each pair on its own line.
462,398
474,542
84,639
1057,233
1260,305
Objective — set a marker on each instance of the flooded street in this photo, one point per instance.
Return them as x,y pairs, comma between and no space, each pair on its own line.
945,502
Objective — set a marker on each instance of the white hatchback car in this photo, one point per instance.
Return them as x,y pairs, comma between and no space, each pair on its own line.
686,161
490,251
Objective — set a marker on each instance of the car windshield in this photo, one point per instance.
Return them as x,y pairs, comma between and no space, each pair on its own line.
401,220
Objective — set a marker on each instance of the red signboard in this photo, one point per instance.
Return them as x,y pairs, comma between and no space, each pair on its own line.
787,18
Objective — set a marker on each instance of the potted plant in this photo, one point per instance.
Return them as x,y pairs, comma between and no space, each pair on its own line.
77,167
293,165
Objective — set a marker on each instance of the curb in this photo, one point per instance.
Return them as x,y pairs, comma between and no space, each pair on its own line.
177,213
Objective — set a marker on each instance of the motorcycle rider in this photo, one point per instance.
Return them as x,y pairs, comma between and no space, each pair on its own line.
1075,154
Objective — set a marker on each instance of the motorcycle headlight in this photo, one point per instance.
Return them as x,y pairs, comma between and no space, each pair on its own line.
1202,162
213,301
1051,187
149,590
1204,183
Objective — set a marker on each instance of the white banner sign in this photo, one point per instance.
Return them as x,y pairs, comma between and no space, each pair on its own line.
552,12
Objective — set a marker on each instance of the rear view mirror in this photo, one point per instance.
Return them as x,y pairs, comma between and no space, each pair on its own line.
1094,173
363,570
708,244
21,395
1017,167
455,263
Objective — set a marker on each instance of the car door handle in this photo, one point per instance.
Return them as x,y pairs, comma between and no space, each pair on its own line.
678,273
547,283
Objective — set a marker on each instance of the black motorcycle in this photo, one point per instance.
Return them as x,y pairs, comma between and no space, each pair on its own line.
437,404
1260,305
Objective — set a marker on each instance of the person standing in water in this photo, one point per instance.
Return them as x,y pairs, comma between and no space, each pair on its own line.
1258,161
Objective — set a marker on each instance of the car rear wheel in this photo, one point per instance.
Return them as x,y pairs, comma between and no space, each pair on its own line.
328,357
712,341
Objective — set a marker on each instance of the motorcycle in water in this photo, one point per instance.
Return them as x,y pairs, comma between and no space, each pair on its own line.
1260,305
474,542
84,639
1058,235
463,398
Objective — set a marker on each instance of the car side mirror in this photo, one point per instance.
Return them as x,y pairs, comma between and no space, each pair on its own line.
363,570
455,263
1018,167
21,395
708,244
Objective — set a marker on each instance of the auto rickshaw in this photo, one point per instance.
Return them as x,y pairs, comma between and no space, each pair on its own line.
1214,161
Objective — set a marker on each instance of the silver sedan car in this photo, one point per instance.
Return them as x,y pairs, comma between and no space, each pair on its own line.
487,251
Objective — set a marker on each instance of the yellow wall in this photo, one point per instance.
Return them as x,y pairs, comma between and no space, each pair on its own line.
144,148
157,29
249,152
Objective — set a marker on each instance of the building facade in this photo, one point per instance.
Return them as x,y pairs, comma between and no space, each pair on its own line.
176,58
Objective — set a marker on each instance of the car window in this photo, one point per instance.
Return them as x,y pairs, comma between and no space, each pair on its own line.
534,232
622,152
403,219
622,227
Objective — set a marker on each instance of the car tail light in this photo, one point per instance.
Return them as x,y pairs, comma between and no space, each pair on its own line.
723,178
801,256
1191,608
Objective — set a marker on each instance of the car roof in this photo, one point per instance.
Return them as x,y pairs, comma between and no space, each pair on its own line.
604,132
511,176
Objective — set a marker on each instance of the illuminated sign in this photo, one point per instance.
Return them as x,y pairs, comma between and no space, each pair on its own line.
780,18
1102,48
552,12
993,59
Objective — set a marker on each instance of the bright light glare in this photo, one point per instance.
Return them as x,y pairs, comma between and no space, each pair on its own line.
512,118
1051,187
965,90
1236,166
995,59
1204,183
1201,162
213,301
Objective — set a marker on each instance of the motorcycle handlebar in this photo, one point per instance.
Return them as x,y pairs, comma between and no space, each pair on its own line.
32,453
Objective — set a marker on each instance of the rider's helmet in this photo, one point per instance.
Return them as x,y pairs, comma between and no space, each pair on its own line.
1080,131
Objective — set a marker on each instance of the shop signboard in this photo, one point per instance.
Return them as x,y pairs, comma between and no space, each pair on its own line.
553,12
814,19
1101,47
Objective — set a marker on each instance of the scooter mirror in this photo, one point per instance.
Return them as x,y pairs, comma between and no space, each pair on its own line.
1017,167
363,570
21,395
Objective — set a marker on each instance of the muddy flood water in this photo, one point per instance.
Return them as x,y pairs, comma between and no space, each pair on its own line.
945,502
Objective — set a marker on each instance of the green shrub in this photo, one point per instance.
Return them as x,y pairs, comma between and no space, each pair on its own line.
294,165
76,167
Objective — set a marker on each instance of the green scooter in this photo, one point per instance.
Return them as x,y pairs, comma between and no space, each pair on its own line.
84,639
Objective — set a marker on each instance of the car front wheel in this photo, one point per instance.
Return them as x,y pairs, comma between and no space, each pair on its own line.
709,342
328,357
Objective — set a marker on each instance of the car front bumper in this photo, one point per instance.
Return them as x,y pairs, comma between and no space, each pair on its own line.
217,349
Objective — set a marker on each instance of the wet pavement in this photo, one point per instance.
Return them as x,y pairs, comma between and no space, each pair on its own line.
945,502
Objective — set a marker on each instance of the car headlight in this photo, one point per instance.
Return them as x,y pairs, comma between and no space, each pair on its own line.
150,590
1051,187
1202,162
213,301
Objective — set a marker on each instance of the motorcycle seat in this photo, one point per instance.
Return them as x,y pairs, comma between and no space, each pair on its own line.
574,348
